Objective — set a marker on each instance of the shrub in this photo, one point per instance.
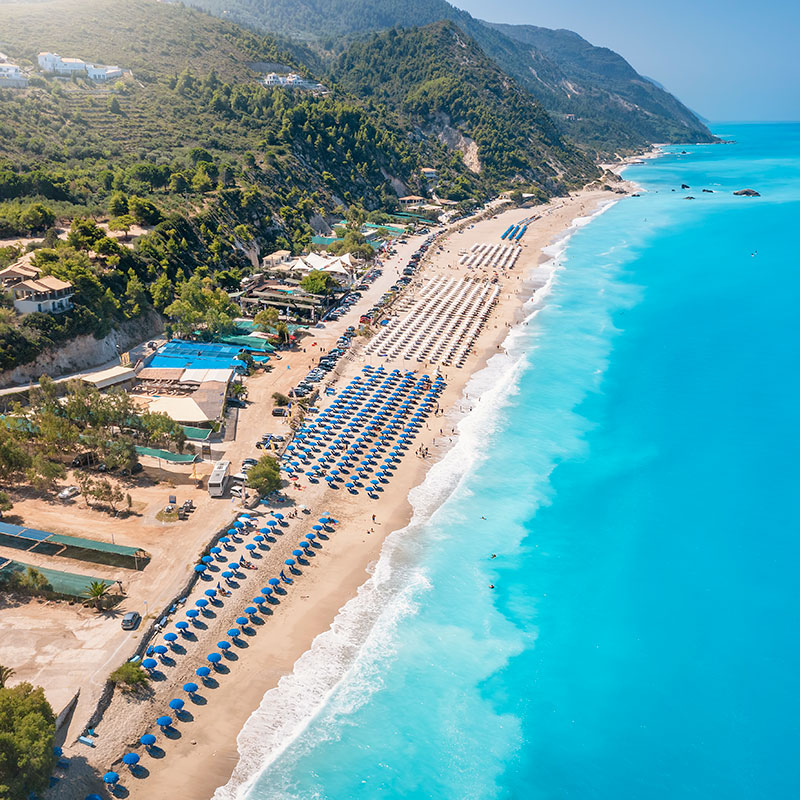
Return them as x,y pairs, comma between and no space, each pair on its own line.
129,676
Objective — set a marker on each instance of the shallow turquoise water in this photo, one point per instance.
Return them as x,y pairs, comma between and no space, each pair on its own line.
635,459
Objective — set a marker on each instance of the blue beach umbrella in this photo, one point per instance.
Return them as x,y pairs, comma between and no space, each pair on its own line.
242,620
201,603
267,590
297,553
249,610
224,539
110,778
192,613
202,672
170,637
234,565
148,740
207,559
160,649
258,600
250,547
210,592
234,632
191,688
273,582
311,536
130,759
199,567
176,704
258,538
164,722
223,645
215,550
149,663
227,574
181,625
290,562
238,524
214,658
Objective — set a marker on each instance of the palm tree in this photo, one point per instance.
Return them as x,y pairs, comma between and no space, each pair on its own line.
6,674
96,591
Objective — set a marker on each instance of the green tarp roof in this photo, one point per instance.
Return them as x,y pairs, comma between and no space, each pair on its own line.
197,433
165,455
33,535
69,583
92,544
250,342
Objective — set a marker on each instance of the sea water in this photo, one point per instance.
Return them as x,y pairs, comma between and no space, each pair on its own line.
627,483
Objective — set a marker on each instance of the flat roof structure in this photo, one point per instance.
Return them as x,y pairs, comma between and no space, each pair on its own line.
48,543
109,377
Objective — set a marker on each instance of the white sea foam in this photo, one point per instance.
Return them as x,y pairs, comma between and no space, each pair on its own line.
344,664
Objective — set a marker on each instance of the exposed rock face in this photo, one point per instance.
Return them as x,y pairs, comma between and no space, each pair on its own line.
685,186
747,193
84,352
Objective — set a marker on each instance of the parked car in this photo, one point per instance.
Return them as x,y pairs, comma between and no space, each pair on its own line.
236,491
251,461
130,620
69,493
134,470
280,411
235,402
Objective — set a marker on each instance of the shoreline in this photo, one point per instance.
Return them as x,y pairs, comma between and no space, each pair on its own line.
341,569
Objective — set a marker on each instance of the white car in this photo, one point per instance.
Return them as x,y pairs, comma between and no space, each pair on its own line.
69,493
236,491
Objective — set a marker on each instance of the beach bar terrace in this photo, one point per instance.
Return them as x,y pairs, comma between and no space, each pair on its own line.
56,544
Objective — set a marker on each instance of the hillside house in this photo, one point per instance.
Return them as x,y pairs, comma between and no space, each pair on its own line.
11,75
55,64
101,72
17,273
410,200
47,294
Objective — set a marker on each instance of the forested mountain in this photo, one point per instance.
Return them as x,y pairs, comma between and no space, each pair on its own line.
443,83
594,95
191,144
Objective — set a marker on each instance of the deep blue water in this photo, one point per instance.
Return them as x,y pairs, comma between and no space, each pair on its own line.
637,470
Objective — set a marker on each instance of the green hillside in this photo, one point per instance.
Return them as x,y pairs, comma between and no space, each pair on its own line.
443,83
594,95
220,168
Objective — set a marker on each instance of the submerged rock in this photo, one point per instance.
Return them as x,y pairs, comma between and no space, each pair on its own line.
708,191
747,193
688,197
685,186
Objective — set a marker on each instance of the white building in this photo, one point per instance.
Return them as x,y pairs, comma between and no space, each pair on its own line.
53,62
292,81
101,72
11,75
56,65
47,294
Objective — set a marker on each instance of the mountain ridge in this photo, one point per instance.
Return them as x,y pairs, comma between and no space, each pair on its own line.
604,113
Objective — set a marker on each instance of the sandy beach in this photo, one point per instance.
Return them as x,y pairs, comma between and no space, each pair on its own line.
201,754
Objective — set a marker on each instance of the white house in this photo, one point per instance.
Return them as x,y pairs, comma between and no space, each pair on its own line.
11,75
47,294
53,62
101,72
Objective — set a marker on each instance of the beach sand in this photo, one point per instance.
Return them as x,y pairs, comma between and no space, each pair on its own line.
204,753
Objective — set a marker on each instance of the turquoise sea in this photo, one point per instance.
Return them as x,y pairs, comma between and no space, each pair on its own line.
633,465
